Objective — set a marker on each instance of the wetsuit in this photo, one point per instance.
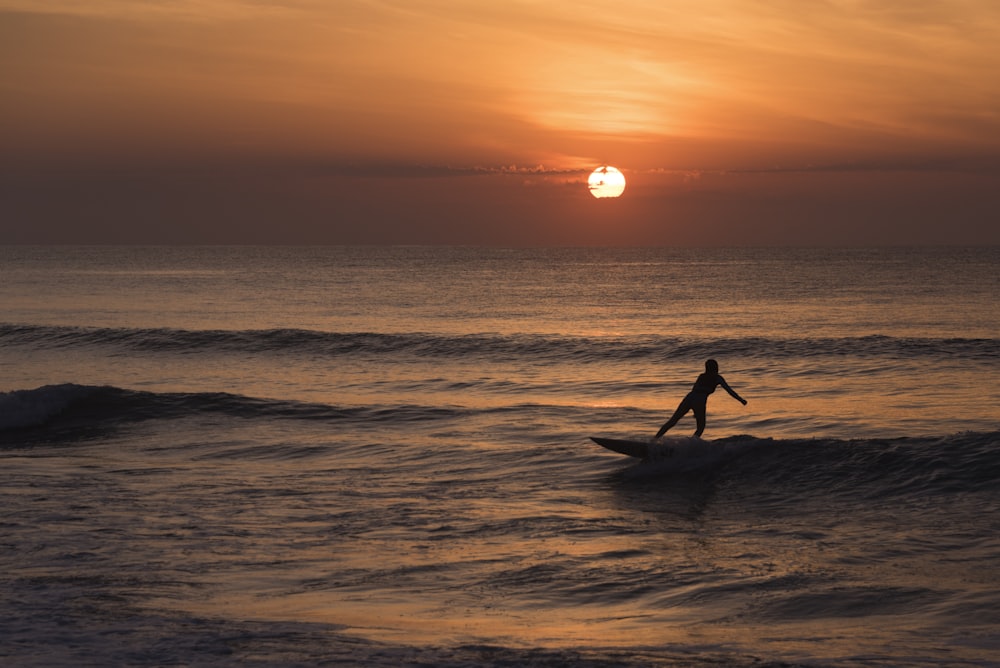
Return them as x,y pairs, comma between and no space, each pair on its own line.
696,400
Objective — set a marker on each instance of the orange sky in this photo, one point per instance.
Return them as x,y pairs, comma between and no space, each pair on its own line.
446,121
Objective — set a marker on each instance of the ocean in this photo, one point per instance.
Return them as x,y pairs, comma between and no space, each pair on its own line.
273,456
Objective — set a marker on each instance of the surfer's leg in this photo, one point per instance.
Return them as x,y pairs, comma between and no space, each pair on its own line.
681,411
699,417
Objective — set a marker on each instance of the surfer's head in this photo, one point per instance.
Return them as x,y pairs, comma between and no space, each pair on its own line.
711,366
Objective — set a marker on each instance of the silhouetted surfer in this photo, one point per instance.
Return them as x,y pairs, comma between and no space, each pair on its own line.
697,398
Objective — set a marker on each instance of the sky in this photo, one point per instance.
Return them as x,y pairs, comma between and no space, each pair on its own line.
735,122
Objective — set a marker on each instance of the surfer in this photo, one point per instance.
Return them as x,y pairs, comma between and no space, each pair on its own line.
697,398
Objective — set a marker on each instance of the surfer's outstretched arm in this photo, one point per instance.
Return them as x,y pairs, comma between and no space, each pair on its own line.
731,391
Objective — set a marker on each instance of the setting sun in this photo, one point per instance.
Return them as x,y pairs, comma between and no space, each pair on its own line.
606,182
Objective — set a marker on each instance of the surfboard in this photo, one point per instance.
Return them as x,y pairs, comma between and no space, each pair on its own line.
638,449
674,454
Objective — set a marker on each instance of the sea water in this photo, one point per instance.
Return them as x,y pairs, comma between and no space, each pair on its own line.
380,456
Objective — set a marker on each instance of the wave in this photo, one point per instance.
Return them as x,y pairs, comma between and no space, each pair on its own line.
87,405
773,476
876,468
536,347
73,405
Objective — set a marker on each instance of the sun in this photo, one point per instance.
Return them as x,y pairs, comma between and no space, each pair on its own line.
606,181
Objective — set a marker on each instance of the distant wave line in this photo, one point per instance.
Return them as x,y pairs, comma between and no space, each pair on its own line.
539,348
